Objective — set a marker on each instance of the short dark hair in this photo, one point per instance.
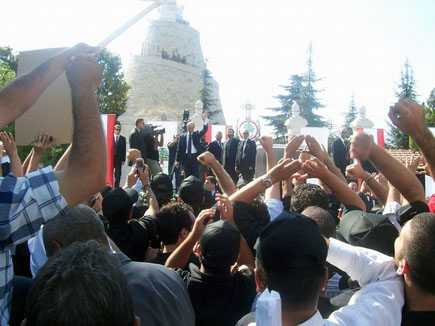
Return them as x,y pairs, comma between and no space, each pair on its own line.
308,195
171,219
296,291
324,220
212,179
80,223
81,285
290,257
419,252
140,120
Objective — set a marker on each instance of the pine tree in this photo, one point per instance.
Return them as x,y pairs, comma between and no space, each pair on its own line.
309,101
206,93
302,90
430,110
293,93
350,115
405,89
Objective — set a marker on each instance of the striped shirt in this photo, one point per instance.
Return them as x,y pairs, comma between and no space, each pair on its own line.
25,204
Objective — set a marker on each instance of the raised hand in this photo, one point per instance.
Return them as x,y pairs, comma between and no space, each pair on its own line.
206,159
293,145
412,163
84,73
8,143
285,170
361,146
356,171
408,116
225,207
266,142
205,217
314,168
314,147
42,142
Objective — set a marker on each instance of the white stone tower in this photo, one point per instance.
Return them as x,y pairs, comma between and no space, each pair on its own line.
166,77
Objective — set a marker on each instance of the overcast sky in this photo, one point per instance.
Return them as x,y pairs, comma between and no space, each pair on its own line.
253,46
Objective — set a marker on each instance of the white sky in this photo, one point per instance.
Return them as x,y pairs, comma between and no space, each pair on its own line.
254,46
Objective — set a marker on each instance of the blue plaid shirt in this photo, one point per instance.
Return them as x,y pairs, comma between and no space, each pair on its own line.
25,204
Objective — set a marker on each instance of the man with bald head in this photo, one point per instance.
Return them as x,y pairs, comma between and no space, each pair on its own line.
189,147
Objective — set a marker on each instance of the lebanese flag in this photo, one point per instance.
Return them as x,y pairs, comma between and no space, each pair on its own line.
108,127
378,135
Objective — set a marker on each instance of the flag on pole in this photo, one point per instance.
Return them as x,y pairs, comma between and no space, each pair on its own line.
108,127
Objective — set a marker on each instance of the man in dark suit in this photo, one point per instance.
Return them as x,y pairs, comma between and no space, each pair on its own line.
118,154
246,155
340,151
189,147
215,147
137,139
229,155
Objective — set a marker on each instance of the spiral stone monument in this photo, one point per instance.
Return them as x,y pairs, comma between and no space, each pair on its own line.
166,77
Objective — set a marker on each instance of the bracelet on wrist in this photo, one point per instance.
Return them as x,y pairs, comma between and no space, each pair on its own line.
368,178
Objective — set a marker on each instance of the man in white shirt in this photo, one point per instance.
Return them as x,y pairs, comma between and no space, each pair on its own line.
291,257
189,147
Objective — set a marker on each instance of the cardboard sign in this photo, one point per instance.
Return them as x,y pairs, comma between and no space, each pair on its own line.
52,111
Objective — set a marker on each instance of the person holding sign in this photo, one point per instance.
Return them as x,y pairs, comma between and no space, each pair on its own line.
29,201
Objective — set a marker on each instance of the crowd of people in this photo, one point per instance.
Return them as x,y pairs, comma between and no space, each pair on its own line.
229,250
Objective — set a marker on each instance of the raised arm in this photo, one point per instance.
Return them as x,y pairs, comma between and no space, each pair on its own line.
409,117
282,171
180,256
290,149
153,205
27,161
246,257
316,169
224,179
41,143
363,147
205,124
86,171
320,152
11,150
19,95
64,159
267,143
356,171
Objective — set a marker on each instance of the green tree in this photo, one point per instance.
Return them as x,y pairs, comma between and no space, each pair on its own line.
350,115
206,93
8,65
293,92
430,109
112,93
302,90
405,89
309,101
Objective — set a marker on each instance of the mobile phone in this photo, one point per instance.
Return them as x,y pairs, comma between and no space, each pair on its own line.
140,164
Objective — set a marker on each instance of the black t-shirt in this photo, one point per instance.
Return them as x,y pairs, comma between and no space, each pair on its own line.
418,318
250,227
162,257
134,238
219,300
151,152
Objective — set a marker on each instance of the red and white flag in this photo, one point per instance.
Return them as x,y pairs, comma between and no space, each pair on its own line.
108,127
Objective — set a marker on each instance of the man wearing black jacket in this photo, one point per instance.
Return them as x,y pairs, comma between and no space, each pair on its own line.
189,147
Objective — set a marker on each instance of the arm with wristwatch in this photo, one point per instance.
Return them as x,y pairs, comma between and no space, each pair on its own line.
282,171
